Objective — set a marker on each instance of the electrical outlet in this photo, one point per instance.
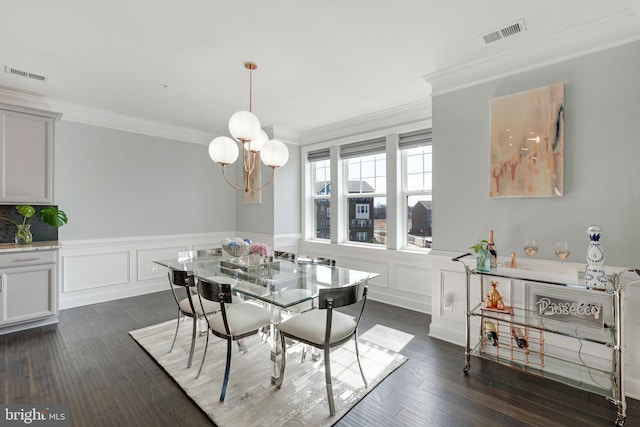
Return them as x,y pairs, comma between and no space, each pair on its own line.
154,268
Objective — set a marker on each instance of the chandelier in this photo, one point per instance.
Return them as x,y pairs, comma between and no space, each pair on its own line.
245,128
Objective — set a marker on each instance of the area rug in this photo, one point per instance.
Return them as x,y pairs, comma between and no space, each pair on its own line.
251,399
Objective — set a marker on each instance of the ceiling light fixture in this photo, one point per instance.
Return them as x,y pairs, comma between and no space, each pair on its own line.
245,128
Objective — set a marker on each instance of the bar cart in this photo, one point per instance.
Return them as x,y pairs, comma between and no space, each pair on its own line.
516,336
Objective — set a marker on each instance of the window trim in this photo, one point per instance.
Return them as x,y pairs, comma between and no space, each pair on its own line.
373,195
316,228
405,194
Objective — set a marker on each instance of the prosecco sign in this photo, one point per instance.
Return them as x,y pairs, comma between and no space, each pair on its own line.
586,313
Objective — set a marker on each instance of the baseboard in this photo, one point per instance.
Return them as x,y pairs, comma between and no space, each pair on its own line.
81,299
52,320
632,388
422,305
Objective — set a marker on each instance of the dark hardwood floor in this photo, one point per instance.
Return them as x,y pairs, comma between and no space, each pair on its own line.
90,363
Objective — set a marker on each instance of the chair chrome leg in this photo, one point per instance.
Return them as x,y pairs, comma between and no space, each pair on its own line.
315,354
204,355
226,370
242,347
358,359
283,361
176,334
264,334
193,341
327,376
202,330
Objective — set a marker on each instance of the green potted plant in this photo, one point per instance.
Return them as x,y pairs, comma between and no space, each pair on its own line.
483,257
50,215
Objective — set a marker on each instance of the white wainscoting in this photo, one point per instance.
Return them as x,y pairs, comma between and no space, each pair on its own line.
448,313
94,271
286,243
100,270
405,276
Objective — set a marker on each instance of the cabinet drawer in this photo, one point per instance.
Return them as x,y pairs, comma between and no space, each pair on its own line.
17,259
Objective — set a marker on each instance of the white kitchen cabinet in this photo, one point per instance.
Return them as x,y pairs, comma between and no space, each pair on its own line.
28,290
26,155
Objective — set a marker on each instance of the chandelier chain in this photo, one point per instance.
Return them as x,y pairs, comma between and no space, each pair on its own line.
250,66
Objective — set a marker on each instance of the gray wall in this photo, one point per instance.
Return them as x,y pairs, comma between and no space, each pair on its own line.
287,194
119,184
602,171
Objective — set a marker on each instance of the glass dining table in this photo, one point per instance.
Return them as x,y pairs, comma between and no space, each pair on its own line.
279,283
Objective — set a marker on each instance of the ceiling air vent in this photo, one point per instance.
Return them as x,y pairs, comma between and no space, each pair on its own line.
509,30
26,74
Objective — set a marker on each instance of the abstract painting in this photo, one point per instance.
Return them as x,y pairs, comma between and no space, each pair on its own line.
527,143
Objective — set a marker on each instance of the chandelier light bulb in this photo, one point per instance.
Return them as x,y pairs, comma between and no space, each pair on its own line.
274,153
244,126
258,143
223,150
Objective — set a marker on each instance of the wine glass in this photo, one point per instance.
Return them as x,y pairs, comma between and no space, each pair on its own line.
562,250
530,248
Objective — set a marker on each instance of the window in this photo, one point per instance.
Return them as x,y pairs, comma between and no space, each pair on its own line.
365,188
321,192
362,210
417,187
366,185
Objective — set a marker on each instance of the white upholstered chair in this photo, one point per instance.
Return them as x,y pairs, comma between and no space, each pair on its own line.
325,328
190,306
233,322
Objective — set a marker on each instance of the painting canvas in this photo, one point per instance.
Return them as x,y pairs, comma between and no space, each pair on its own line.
527,143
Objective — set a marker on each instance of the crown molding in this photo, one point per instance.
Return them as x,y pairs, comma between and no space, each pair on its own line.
605,33
95,117
282,134
413,115
33,111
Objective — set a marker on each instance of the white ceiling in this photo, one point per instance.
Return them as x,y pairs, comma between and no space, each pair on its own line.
318,62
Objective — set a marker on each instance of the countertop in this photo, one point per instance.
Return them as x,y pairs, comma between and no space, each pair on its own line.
35,246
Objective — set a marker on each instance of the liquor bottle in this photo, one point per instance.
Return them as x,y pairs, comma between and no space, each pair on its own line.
492,333
519,337
492,250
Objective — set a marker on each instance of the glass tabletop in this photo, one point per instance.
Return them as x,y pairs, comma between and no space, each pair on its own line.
280,282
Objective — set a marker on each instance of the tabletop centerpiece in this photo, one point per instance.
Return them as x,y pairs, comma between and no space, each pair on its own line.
258,252
236,247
